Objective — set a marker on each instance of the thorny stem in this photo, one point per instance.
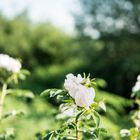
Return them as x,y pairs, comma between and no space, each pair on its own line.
2,97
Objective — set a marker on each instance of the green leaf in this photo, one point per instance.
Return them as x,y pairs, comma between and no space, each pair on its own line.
64,98
103,130
101,83
49,136
71,125
20,93
55,92
23,74
70,100
94,105
52,92
102,105
46,92
80,114
96,117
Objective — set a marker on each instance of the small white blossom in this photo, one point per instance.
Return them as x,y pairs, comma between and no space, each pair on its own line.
9,63
83,95
138,78
125,133
137,85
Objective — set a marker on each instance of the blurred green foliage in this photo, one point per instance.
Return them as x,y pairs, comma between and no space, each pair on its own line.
116,23
44,50
50,54
39,116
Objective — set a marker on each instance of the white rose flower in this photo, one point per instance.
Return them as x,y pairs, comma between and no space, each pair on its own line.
72,82
9,63
84,96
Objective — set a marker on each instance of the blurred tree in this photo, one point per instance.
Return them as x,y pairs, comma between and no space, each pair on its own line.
44,49
116,23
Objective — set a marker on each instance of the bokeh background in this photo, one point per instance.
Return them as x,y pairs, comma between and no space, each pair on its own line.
53,38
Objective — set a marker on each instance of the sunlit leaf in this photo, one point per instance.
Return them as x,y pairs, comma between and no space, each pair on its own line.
96,117
102,105
94,105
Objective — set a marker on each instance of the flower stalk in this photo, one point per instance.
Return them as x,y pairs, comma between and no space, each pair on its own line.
78,135
77,131
2,98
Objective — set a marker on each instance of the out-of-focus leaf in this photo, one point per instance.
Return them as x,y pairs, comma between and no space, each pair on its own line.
13,113
103,130
10,134
102,105
71,125
94,105
101,82
20,93
23,74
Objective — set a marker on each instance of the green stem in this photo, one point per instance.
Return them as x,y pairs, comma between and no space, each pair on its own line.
2,97
77,130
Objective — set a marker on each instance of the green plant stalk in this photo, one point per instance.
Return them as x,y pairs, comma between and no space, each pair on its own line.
2,98
77,130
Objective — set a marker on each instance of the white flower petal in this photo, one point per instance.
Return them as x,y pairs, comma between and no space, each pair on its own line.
71,83
84,96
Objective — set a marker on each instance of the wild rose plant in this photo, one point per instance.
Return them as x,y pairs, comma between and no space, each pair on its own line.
10,73
134,133
78,110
